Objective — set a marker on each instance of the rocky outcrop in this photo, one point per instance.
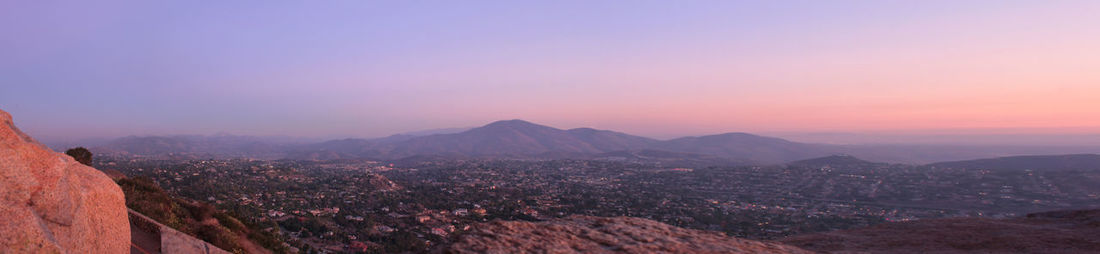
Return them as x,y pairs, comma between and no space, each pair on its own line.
587,234
1050,232
49,203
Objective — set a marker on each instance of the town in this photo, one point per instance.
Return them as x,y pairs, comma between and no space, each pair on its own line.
360,206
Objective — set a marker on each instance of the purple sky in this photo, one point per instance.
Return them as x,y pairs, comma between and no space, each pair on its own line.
656,68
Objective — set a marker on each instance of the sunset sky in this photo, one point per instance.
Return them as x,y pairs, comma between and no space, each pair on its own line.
653,68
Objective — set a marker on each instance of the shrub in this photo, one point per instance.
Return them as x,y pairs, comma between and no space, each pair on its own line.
81,155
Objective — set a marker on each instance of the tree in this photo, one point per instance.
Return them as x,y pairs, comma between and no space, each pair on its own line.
81,155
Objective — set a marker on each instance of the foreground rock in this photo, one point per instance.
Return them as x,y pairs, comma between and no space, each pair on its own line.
52,204
1051,232
586,234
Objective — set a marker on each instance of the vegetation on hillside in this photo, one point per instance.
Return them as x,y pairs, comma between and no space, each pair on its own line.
198,219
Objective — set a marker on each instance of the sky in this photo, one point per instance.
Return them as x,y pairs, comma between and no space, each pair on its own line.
82,69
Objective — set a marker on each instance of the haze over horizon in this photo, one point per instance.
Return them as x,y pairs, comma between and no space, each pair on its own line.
840,72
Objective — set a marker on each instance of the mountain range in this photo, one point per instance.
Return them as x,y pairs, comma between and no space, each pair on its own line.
518,139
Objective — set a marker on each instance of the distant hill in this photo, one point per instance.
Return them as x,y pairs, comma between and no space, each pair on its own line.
511,137
1035,162
522,138
927,153
434,131
215,146
518,139
605,140
835,161
501,139
335,149
744,146
395,138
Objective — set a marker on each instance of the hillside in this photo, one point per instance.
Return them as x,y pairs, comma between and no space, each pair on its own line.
198,219
1089,162
587,234
1049,232
605,140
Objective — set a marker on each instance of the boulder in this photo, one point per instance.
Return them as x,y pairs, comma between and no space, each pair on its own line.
49,203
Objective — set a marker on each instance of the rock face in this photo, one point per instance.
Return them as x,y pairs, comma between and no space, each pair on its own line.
587,234
1050,232
52,204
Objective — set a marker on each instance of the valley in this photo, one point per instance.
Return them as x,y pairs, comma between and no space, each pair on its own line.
371,206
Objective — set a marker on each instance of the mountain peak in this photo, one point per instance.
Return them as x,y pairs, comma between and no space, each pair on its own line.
740,135
583,129
512,122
